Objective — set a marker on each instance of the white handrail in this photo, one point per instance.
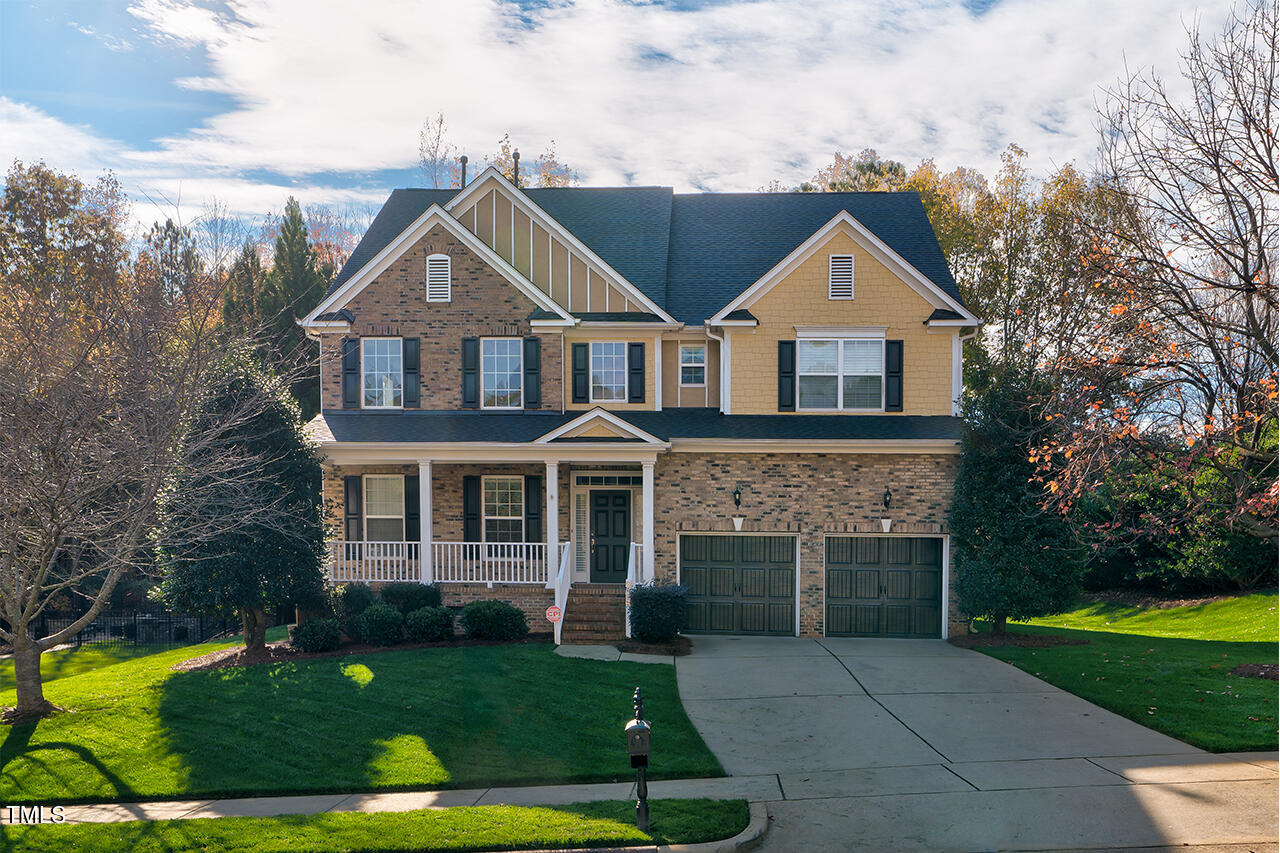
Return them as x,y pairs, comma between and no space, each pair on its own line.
453,562
563,578
633,561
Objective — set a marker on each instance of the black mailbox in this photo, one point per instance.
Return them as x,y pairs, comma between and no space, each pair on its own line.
638,742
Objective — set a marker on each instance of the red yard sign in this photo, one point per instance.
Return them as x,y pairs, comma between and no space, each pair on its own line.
554,614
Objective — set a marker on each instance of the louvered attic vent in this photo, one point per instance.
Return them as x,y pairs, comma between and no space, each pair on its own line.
840,277
439,278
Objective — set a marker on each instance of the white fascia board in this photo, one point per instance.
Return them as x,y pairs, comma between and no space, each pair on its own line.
961,323
749,324
552,324
878,249
433,215
774,445
458,452
622,326
598,414
531,210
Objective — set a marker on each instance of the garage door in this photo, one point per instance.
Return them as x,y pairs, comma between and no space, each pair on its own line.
884,586
740,584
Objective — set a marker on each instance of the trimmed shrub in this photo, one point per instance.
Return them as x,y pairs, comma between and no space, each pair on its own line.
316,635
408,597
381,625
429,624
493,620
658,611
350,601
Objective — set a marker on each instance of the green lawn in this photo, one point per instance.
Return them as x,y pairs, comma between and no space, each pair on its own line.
1174,678
65,663
1245,618
427,718
477,828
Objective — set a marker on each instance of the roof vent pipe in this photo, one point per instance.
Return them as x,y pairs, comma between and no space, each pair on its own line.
515,167
463,160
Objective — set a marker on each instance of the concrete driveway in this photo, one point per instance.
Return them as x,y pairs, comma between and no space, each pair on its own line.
896,745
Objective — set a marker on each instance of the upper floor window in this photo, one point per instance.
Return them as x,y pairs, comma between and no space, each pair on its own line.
608,372
439,278
501,373
841,374
840,277
504,509
384,507
383,367
693,364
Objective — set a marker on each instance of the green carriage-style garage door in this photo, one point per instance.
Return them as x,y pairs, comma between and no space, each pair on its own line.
740,584
884,586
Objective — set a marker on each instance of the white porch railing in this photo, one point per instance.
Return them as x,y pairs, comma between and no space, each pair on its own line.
635,567
450,562
561,587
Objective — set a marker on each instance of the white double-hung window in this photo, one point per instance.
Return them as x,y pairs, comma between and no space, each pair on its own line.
608,372
384,507
383,367
693,364
501,373
841,374
504,509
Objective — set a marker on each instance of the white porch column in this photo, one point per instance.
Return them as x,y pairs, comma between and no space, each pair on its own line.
552,512
647,520
424,521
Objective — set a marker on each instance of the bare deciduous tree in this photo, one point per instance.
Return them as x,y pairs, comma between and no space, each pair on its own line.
435,153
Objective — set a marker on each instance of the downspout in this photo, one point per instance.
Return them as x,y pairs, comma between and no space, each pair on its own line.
723,372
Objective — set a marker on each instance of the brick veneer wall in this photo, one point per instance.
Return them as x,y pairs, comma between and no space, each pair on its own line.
533,600
483,303
806,495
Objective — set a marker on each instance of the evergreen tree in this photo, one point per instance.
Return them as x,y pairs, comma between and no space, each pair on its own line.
296,284
275,554
242,303
1014,559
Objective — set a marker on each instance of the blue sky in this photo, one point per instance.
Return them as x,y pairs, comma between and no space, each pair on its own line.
251,100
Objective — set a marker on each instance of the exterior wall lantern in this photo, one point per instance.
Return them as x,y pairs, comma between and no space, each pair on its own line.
737,505
886,524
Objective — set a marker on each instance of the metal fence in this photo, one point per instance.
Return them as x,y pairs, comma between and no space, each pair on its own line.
140,628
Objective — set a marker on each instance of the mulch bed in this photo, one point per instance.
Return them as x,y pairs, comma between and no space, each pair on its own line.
1258,670
282,652
681,645
1145,600
1026,641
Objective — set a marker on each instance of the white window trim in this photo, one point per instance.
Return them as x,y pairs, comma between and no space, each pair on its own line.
363,405
448,297
681,365
484,514
591,370
364,505
520,352
840,374
831,261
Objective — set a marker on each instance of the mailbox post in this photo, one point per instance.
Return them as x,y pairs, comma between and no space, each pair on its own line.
638,745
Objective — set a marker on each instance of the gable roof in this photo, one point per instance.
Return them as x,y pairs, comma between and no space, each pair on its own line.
692,254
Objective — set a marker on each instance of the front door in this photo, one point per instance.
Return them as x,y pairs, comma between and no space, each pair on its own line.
610,535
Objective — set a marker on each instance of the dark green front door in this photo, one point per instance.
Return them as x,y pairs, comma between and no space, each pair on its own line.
740,584
884,586
610,535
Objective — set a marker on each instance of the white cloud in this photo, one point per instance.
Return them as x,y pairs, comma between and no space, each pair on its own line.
725,97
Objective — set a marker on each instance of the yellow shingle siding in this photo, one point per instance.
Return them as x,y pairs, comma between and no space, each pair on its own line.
881,298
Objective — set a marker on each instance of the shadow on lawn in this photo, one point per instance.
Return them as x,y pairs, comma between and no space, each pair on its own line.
17,744
439,718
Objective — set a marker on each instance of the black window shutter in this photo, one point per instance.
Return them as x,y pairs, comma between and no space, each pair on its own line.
635,372
411,359
533,508
412,509
471,509
786,376
353,490
581,385
532,373
350,373
893,376
470,373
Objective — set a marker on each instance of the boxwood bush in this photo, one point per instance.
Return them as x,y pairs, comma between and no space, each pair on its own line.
408,597
381,625
316,635
658,611
429,624
350,601
493,620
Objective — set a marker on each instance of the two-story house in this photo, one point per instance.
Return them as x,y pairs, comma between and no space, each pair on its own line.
538,394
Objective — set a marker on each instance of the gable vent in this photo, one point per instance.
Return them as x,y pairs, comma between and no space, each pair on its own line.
439,278
840,277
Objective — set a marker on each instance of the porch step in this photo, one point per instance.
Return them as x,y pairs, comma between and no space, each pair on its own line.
595,613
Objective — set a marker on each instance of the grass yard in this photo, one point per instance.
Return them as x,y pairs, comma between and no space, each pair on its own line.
65,663
477,828
1168,669
426,718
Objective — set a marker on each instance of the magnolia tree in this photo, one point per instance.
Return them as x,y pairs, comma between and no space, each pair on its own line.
1178,376
104,364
